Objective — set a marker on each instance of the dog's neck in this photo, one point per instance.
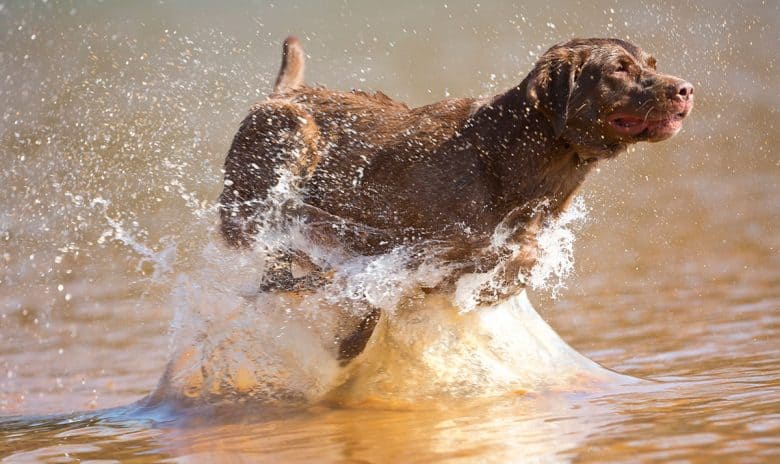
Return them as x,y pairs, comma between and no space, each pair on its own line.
519,145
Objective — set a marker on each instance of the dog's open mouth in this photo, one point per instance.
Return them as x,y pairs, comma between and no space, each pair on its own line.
654,129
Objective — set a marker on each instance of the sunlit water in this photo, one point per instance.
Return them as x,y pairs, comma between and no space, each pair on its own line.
115,123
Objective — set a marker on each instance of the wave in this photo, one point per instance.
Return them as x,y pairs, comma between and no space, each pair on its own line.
232,341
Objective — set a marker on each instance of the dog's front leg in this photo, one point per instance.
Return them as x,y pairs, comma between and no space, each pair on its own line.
355,343
511,274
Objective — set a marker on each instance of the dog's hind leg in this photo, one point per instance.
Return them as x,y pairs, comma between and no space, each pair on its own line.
277,138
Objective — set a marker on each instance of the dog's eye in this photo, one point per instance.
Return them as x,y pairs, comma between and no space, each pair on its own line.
622,67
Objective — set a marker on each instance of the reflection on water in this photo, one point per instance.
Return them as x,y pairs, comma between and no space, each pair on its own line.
115,121
547,427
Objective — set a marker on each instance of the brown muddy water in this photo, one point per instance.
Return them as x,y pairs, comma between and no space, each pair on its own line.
116,117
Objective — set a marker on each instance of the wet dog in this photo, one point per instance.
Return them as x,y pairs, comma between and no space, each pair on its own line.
374,174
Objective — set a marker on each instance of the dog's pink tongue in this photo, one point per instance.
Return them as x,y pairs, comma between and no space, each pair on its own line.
628,125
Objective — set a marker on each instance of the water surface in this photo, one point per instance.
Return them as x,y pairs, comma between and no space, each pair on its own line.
115,121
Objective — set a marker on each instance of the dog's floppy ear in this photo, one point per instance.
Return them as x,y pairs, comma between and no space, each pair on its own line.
551,84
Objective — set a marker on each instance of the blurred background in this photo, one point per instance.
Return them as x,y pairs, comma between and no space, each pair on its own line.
115,118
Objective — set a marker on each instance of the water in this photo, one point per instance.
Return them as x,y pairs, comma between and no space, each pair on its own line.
115,122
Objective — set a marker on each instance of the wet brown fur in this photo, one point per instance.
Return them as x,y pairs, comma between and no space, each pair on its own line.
375,173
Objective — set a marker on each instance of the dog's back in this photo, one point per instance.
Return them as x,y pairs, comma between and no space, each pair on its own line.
336,144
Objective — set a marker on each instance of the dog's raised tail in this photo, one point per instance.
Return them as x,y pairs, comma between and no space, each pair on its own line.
291,73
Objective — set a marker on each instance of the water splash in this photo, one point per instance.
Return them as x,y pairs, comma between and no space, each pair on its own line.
556,249
555,261
161,262
232,342
144,133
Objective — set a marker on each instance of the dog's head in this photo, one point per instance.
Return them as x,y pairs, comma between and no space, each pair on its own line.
602,94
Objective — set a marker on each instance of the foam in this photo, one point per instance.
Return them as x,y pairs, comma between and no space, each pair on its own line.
232,342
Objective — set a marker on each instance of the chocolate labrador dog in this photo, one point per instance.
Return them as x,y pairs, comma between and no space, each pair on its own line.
373,174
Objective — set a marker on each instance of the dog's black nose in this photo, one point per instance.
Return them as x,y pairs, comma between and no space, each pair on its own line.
684,90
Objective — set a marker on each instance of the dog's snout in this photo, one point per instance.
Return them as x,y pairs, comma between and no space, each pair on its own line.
683,90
